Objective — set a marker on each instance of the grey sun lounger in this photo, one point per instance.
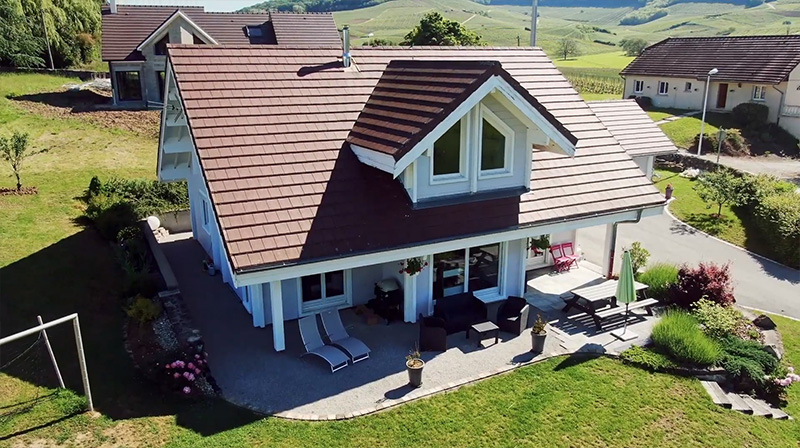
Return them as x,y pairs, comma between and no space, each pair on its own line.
334,330
309,332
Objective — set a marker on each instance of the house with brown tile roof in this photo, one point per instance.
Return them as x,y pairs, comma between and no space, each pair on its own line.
758,69
316,173
634,130
135,40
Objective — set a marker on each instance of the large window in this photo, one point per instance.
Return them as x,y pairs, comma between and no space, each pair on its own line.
129,86
447,157
638,86
320,291
476,269
663,88
759,93
496,145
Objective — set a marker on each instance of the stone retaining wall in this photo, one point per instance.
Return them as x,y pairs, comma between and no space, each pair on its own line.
84,75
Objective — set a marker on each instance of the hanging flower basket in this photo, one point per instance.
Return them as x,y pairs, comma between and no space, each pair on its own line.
412,266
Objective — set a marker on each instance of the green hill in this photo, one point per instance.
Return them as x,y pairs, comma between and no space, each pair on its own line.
597,28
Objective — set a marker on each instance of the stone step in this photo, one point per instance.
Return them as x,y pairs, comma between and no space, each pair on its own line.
718,395
759,408
779,414
737,404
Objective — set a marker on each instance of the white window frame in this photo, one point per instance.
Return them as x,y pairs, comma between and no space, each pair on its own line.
205,212
688,86
314,306
507,170
759,92
640,84
665,90
461,175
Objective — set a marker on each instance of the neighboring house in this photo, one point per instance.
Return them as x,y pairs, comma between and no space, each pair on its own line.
635,131
314,173
758,69
135,41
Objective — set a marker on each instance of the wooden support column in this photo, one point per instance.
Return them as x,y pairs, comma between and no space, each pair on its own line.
276,302
256,295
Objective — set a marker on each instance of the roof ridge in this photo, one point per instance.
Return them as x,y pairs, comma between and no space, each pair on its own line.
160,6
321,13
746,37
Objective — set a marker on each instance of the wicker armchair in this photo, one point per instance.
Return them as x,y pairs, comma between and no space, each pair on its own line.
512,316
432,334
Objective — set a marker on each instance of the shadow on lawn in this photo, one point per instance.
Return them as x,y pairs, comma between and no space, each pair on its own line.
79,274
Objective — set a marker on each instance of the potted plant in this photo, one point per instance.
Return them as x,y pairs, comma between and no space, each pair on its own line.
414,365
412,266
208,266
668,192
538,334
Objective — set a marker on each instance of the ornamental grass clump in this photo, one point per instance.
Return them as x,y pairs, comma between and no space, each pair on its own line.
659,278
678,334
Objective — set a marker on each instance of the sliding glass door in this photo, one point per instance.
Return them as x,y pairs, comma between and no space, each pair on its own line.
475,269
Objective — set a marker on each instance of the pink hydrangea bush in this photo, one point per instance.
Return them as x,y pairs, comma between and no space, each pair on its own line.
788,380
183,371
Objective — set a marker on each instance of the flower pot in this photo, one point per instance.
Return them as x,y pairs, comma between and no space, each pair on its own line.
668,192
414,368
537,342
211,270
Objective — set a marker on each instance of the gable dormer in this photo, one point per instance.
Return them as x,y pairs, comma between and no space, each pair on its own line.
177,29
454,130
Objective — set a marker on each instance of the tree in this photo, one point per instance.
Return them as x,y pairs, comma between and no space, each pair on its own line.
568,47
434,29
639,256
15,150
633,47
719,187
18,46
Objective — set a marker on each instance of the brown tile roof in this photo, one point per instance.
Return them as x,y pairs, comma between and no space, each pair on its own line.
131,25
315,28
270,124
766,59
413,97
632,127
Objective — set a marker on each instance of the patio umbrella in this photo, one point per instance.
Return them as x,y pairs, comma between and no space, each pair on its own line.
626,293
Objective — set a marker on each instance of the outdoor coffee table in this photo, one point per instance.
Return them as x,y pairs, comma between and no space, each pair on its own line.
483,329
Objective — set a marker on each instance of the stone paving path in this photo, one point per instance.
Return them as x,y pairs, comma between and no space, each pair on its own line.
677,117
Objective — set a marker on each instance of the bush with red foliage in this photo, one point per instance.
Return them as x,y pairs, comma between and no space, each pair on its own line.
708,280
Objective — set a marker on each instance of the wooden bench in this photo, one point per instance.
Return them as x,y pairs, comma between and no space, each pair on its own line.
600,316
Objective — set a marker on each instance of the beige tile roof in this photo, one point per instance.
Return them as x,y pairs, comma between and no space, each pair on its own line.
270,124
632,127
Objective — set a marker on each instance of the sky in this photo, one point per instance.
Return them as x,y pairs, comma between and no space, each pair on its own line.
210,5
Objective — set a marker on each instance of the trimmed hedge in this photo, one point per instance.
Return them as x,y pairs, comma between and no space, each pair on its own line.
778,216
750,115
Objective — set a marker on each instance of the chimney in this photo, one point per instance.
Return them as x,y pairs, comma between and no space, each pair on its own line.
113,5
345,46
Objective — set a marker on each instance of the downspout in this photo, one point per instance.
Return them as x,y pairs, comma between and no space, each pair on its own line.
780,104
614,241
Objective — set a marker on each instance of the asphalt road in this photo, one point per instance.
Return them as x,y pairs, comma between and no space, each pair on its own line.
758,283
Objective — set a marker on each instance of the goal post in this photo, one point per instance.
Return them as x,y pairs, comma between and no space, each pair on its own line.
78,342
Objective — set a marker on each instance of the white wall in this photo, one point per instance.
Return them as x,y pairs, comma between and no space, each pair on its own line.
645,164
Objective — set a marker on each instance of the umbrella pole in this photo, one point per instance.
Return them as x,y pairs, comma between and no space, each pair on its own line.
625,328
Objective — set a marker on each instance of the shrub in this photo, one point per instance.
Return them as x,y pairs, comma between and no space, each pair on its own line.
708,280
110,215
747,363
639,256
734,144
645,102
778,218
717,321
750,115
659,277
647,359
678,334
143,310
753,189
128,233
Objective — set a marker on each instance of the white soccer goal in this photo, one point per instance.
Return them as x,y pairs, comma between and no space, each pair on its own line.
42,330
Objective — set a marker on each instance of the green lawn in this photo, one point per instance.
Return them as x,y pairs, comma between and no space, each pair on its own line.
613,60
683,131
51,265
733,226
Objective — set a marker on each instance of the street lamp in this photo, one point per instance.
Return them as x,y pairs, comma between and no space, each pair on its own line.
711,73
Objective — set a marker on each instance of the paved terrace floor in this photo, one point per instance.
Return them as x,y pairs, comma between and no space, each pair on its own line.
251,374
